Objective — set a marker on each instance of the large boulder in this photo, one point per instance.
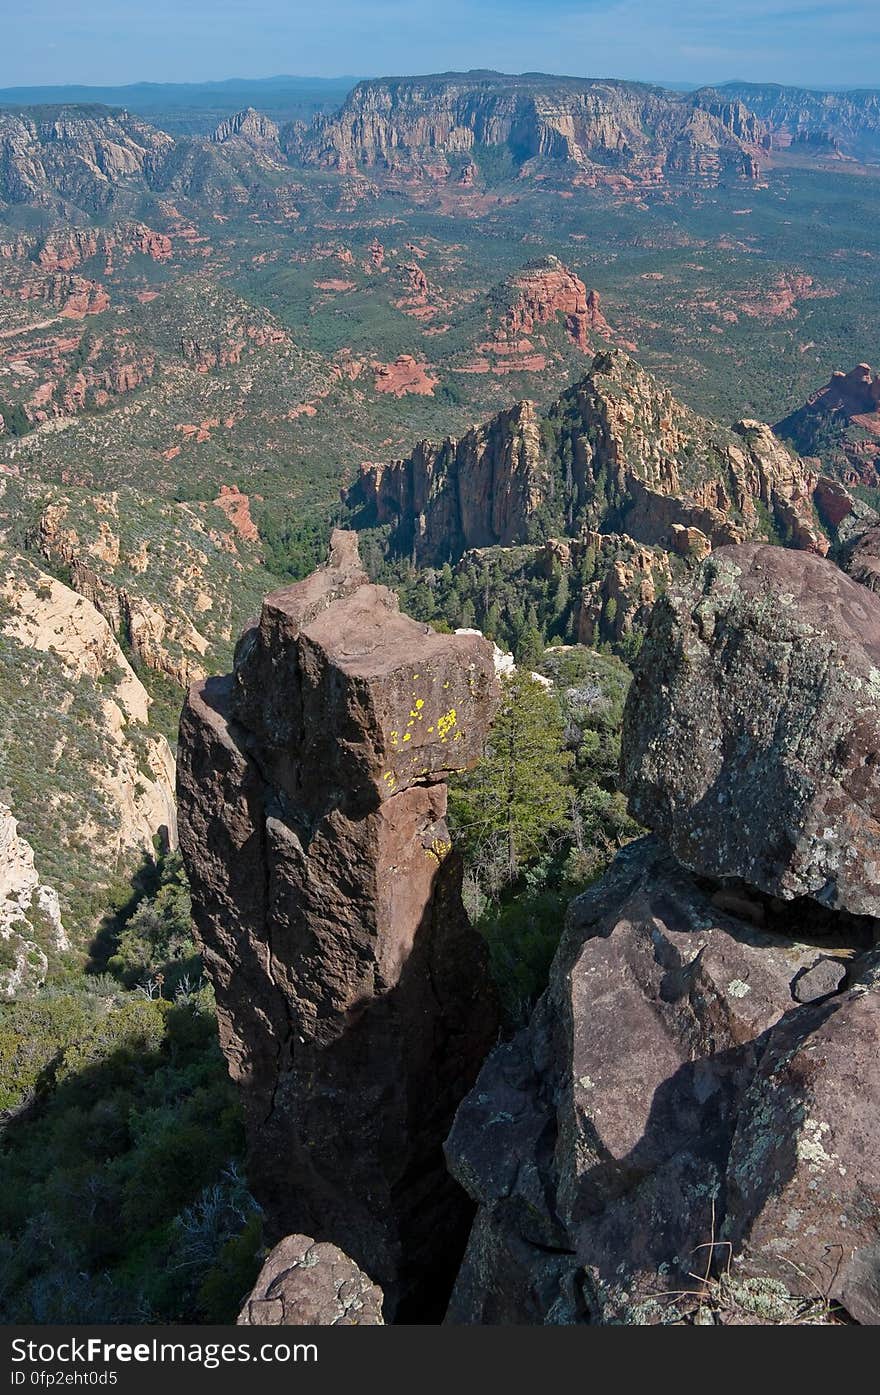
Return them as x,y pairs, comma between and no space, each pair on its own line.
353,996
673,1139
752,727
688,1129
307,1284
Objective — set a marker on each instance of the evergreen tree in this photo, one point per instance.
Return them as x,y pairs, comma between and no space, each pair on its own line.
529,646
519,791
493,622
561,601
16,420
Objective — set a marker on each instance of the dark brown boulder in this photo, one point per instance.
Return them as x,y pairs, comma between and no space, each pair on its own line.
672,1140
304,1284
353,995
752,727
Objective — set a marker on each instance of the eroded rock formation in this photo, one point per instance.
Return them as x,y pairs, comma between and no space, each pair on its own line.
686,1130
28,910
615,452
546,289
88,783
352,993
841,423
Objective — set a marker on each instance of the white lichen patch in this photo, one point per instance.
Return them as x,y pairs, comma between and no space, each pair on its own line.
810,1147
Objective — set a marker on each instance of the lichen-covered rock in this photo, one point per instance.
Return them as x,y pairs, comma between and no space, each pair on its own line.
353,995
668,1114
824,977
860,556
304,1284
753,723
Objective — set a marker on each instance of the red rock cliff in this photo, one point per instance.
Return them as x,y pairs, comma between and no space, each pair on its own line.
352,993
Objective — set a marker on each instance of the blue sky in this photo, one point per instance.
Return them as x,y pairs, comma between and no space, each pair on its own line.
836,43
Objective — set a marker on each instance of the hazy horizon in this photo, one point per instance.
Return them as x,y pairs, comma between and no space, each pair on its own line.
337,79
792,42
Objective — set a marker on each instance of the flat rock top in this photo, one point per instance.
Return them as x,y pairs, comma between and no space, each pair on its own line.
304,600
335,675
363,636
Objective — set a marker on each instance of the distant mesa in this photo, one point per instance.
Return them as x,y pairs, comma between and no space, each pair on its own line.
435,128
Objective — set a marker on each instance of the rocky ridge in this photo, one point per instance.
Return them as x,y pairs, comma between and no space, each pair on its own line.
615,453
171,590
833,125
88,783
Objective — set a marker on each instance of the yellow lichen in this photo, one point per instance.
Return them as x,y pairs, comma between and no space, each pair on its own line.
440,849
446,723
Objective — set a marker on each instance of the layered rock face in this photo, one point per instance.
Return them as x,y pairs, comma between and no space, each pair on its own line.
615,453
87,786
80,154
607,131
254,133
306,1284
352,993
686,1130
248,125
840,124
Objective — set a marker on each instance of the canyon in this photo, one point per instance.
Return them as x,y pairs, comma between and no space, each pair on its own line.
510,348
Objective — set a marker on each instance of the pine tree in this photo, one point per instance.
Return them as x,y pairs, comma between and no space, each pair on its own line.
519,792
561,601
